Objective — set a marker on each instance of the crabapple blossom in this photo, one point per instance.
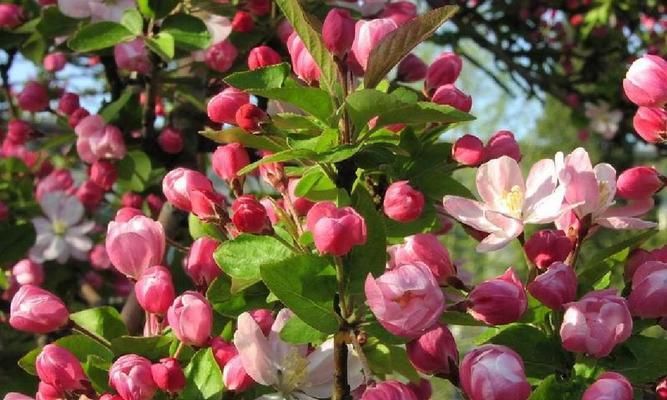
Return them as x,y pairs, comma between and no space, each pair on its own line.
494,372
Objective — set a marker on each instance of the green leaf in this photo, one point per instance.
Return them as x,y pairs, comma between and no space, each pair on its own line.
231,303
151,347
238,135
104,322
641,359
316,185
271,77
156,8
199,229
188,31
134,171
313,41
99,35
133,21
97,370
111,111
15,241
285,155
397,44
552,388
242,257
203,377
79,345
54,23
423,112
298,332
306,284
162,44
34,48
388,360
459,318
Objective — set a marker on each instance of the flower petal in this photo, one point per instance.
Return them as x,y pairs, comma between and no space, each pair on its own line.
625,223
254,350
541,182
496,178
469,212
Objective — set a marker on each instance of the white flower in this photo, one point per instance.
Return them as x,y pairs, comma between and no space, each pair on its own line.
97,10
603,120
63,233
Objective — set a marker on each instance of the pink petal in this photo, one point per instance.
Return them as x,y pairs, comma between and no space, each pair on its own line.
254,350
469,212
496,178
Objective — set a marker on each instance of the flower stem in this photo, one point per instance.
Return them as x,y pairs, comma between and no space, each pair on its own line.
341,384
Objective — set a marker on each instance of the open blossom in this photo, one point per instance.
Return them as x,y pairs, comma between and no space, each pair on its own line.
97,10
290,369
603,120
96,140
62,233
424,248
508,202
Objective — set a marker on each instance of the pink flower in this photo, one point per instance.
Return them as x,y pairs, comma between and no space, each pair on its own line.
338,31
155,290
301,204
494,372
55,61
36,310
60,369
207,205
639,182
259,7
596,323
389,390
97,10
90,195
28,272
242,22
34,97
200,265
251,118
335,230
500,300
132,56
96,140
132,200
468,150
411,69
262,56
648,298
423,248
399,11
135,245
249,215
11,15
264,319
98,257
235,377
443,71
223,106
434,352
68,103
179,183
168,375
303,64
170,140
547,246
220,56
640,256
59,180
132,378
509,202
405,300
227,160
402,203
502,143
645,83
651,124
223,351
191,318
555,287
609,386
450,95
19,131
103,174
367,35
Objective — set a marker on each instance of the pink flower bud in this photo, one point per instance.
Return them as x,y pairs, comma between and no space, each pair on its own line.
242,22
200,265
389,390
660,390
596,323
283,30
55,61
168,375
434,352
47,392
468,150
411,69
494,371
222,108
178,184
303,64
58,180
103,174
206,205
444,70
132,56
59,368
68,103
651,124
132,378
450,95
502,143
499,301
11,15
132,200
228,160
640,256
34,97
220,56
125,214
638,183
250,118
402,203
335,230
17,396
273,173
263,318
223,351
19,131
405,300
422,389
4,211
35,310
155,203
648,298
645,83
301,204
28,272
423,248
135,245
338,31
170,140
262,56
77,116
367,35
96,140
191,318
249,216
547,246
609,386
235,376
399,12
89,194
555,287
98,258
155,290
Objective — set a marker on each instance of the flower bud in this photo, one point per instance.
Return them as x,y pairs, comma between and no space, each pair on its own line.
468,150
11,15
28,272
645,83
19,131
301,204
223,106
434,352
154,203
47,392
170,140
168,375
367,35
235,376
34,97
222,351
411,69
262,56
450,95
638,183
402,203
132,56
36,310
405,300
555,287
242,22
191,318
103,174
155,290
135,245
229,159
547,246
264,319
96,140
660,390
494,372
424,248
4,211
179,182
77,116
499,301
90,195
250,118
55,61
303,64
400,12
132,378
596,323
609,386
422,389
271,209
59,368
444,70
259,7
283,30
502,143
249,216
206,205
132,200
651,124
68,103
125,214
220,56
338,31
98,258
335,230
640,256
648,298
389,390
200,265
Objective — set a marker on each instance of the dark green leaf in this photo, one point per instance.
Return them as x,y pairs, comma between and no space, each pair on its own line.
104,322
229,304
242,257
162,44
54,23
285,155
15,241
134,171
552,388
97,370
298,332
203,376
111,111
189,32
156,8
459,318
99,35
34,48
238,135
133,21
151,347
271,77
641,359
423,113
